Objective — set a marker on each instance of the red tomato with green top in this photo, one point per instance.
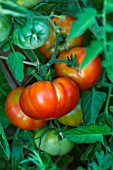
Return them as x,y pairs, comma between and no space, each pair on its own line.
65,24
16,115
84,78
49,100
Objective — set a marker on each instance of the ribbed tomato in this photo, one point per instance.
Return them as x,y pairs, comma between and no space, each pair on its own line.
15,114
49,100
84,78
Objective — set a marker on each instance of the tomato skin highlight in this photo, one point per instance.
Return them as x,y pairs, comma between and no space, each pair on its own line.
88,76
49,100
52,143
15,114
65,24
73,118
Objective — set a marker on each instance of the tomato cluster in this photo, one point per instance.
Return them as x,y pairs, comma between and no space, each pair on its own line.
33,106
64,27
16,115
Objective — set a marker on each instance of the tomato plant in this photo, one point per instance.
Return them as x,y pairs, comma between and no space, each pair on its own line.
64,26
26,3
49,100
15,114
32,34
73,118
91,24
86,77
5,27
52,142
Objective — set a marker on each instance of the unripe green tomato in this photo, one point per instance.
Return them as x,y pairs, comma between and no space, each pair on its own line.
26,3
52,142
5,27
73,118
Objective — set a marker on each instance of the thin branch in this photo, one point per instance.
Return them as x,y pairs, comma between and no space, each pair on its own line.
25,62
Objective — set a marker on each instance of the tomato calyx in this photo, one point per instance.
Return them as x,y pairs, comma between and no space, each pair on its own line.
72,62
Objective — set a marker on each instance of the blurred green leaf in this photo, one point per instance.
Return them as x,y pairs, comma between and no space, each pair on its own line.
4,90
87,134
91,104
15,63
103,161
84,21
109,28
109,5
6,47
3,118
74,8
98,4
109,71
4,143
92,51
42,160
111,108
90,150
64,161
11,8
16,151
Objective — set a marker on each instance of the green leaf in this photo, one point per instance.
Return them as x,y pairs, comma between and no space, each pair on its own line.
73,8
103,161
3,118
11,8
87,134
91,104
85,20
6,48
97,30
90,150
64,161
111,108
15,63
16,151
109,28
109,5
31,55
92,51
109,70
4,144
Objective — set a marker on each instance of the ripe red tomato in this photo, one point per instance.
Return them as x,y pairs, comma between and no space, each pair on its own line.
87,76
73,118
15,114
52,142
64,22
49,100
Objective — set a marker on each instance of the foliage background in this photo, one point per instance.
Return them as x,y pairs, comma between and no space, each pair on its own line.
94,140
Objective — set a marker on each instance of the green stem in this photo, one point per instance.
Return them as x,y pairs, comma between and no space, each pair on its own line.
107,102
25,62
104,29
